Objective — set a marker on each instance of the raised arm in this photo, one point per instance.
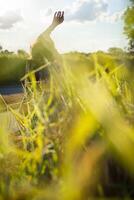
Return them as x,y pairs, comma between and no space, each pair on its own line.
57,20
44,47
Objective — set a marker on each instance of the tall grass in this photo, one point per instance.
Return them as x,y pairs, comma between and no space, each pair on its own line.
69,128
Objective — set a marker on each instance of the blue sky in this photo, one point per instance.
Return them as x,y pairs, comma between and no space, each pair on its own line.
90,25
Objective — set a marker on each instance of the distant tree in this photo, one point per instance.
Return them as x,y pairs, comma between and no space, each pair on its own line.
115,50
1,48
6,51
22,53
129,25
100,52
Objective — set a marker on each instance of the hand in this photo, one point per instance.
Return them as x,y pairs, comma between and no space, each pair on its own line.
58,18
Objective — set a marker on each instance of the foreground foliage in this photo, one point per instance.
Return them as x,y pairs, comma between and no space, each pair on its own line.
75,138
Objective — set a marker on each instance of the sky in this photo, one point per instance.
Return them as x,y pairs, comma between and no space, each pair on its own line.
89,25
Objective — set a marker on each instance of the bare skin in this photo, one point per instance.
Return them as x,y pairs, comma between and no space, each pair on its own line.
40,49
44,46
57,20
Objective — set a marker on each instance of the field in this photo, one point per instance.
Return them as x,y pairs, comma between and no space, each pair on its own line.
75,139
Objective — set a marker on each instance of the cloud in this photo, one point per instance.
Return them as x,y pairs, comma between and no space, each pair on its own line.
86,10
83,10
9,19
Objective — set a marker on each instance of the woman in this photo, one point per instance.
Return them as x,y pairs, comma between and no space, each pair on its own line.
44,50
41,52
44,47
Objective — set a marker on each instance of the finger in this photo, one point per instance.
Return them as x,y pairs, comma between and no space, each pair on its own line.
59,14
55,14
62,14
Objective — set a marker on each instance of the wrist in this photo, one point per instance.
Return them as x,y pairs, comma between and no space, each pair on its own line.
54,25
